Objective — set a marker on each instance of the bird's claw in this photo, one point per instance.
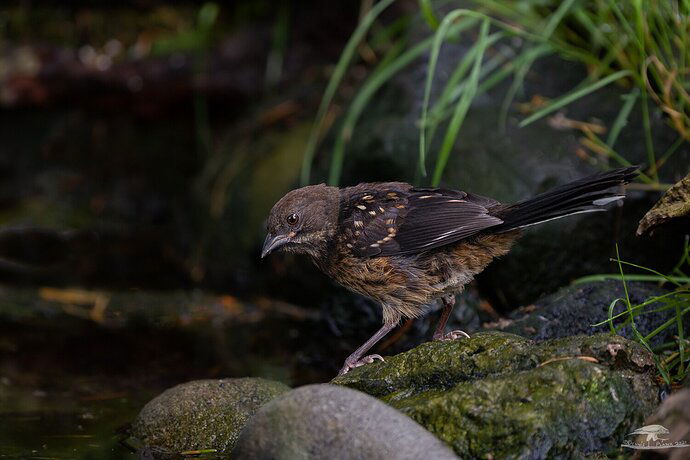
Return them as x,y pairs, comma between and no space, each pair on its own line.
351,364
453,335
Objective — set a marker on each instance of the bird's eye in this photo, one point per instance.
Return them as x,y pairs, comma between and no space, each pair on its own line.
292,219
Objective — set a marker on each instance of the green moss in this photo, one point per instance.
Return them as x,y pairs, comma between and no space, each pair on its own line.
502,395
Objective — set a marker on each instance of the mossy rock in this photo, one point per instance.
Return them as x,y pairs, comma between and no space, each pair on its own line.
203,414
501,395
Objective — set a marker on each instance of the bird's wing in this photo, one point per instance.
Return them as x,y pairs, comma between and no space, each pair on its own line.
389,221
369,216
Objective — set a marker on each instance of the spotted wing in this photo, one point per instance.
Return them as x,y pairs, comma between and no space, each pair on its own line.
438,217
370,216
395,222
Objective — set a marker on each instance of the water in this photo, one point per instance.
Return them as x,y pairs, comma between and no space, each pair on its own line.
71,378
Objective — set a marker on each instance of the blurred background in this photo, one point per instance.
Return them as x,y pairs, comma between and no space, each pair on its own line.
143,143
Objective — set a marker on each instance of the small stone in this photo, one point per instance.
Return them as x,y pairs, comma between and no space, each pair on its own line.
203,414
334,422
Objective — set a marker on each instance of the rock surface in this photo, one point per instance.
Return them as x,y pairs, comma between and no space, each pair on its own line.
203,414
329,421
574,309
674,416
675,204
503,395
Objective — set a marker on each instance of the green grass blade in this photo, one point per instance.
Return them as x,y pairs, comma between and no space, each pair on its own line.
448,95
659,274
619,158
522,70
531,55
661,327
433,59
643,305
439,36
612,276
612,305
622,117
623,21
649,144
628,305
364,95
573,96
428,13
444,107
671,150
556,18
487,75
338,74
383,73
462,106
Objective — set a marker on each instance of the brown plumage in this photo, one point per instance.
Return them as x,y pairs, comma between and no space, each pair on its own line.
405,247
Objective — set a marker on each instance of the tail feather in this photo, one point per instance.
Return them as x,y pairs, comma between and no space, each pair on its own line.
590,194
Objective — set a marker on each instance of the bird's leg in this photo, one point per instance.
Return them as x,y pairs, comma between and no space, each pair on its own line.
448,303
356,359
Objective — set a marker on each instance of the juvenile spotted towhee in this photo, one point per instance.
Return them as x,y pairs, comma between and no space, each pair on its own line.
405,247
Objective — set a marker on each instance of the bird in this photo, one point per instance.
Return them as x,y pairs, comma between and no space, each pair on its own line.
405,247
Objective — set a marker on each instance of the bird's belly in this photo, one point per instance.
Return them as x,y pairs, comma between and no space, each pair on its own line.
404,285
387,280
452,283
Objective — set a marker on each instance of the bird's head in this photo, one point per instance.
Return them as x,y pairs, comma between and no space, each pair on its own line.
303,221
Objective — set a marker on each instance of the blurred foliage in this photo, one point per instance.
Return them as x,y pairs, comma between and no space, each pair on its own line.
195,38
158,29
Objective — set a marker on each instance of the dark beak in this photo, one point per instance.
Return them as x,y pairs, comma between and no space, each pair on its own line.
272,243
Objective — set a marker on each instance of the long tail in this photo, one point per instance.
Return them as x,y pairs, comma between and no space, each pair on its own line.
589,194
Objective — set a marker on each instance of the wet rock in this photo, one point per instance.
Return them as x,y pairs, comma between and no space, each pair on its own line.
566,397
675,204
574,309
673,415
203,414
329,421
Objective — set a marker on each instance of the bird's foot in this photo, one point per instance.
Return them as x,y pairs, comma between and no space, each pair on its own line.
352,363
452,335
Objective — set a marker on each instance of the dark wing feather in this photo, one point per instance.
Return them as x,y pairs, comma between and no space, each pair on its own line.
387,219
369,217
440,217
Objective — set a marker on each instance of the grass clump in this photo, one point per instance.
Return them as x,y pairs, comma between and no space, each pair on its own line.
639,45
672,358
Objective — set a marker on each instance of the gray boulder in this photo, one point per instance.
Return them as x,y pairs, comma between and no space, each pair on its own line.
329,421
202,414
